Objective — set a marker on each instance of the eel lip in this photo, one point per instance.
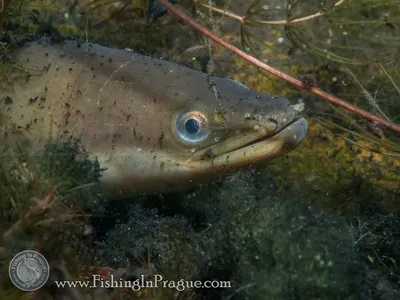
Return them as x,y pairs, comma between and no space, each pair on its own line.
284,141
260,150
294,132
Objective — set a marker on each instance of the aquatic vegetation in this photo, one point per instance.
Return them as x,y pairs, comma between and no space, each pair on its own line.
42,203
268,245
321,221
9,69
335,29
376,121
4,4
48,201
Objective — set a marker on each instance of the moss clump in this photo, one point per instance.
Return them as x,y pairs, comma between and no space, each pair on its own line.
44,201
334,173
68,163
267,246
64,165
275,247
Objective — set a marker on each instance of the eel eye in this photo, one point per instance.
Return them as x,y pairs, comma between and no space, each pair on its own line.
191,127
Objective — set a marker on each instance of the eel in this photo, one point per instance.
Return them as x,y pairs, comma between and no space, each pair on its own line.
154,125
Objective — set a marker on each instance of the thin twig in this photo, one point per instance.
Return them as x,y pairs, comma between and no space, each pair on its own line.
290,79
279,22
225,13
367,95
370,231
287,22
390,78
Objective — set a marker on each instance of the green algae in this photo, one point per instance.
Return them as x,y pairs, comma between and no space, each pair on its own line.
261,230
40,210
270,244
334,172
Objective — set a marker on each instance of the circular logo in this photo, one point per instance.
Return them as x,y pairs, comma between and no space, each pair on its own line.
29,270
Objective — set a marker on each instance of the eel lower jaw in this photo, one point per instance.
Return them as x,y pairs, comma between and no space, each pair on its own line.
258,151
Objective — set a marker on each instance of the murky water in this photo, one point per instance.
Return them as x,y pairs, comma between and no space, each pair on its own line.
321,222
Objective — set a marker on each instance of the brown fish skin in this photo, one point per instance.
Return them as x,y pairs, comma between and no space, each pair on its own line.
155,125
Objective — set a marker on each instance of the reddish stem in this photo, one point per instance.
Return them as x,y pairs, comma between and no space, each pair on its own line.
292,80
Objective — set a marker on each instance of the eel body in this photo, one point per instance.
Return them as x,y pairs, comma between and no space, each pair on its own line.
153,124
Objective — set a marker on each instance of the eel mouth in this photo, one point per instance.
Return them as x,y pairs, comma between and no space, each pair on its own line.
293,125
257,149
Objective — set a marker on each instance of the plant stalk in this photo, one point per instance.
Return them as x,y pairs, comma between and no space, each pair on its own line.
317,91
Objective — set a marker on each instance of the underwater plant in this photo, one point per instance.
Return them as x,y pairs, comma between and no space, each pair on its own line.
258,231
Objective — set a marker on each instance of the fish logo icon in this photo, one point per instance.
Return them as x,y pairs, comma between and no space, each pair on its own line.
29,270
